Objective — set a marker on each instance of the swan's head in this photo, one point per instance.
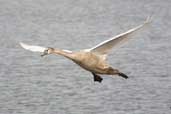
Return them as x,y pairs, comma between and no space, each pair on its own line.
47,51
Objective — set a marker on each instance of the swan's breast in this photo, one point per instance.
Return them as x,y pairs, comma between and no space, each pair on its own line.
90,61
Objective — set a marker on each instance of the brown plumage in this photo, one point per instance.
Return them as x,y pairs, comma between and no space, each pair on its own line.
94,59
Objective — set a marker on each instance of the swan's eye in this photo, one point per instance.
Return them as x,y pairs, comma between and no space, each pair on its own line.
46,51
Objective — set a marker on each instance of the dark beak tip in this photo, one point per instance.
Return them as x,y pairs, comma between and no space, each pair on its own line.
43,54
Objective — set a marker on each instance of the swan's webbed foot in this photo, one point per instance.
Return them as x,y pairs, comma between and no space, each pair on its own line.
97,78
123,75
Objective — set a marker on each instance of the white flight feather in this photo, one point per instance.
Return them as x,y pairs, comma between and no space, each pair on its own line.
104,47
33,48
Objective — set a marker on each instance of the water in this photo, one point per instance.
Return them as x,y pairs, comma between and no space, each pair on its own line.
30,84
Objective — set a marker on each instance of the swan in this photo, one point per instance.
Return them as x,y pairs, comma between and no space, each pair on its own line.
93,59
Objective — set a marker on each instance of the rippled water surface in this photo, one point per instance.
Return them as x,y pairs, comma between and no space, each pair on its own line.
30,84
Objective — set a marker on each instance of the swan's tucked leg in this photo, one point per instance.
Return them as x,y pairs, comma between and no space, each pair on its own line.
113,71
97,78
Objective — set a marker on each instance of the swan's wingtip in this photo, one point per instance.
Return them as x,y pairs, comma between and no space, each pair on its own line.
32,47
148,20
23,45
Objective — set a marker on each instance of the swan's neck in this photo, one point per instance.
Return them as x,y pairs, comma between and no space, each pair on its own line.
64,53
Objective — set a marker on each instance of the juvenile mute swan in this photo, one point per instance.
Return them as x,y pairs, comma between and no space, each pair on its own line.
93,59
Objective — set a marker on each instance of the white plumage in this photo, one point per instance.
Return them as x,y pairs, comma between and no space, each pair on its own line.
104,47
33,48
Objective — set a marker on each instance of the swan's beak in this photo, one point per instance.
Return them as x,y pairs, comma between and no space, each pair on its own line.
45,53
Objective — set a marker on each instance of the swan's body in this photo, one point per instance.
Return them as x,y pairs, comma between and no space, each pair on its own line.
94,59
90,62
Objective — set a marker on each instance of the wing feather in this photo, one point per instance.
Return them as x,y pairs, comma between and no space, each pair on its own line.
104,47
33,48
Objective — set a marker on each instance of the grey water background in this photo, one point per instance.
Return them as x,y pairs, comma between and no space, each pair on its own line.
30,84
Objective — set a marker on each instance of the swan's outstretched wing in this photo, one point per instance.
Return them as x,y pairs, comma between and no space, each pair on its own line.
33,48
104,47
